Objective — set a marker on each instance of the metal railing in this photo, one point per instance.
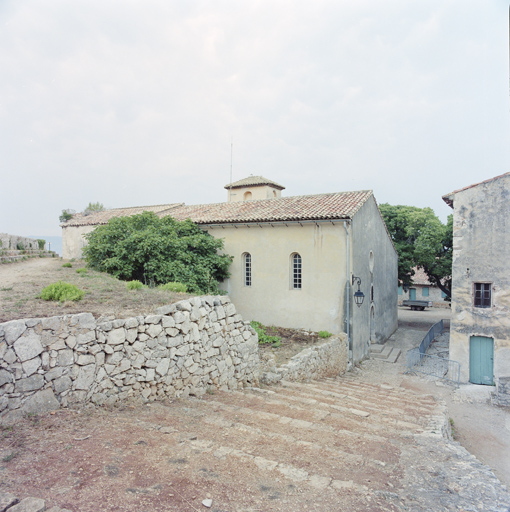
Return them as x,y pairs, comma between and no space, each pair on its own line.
419,362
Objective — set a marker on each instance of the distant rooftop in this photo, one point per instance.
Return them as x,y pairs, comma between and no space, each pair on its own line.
254,181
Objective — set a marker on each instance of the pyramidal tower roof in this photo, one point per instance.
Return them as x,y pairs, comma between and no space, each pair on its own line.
254,181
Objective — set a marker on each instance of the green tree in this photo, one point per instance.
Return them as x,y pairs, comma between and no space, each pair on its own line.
157,251
66,215
421,240
93,208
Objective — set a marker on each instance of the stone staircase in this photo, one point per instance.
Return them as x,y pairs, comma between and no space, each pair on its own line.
384,352
335,444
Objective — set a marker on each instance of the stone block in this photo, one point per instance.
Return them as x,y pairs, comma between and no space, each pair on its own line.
53,323
85,377
65,357
154,330
62,384
13,330
31,366
28,347
31,383
162,367
5,377
85,359
116,336
153,319
83,339
43,401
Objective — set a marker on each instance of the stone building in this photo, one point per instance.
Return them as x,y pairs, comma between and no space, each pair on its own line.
480,326
422,289
297,260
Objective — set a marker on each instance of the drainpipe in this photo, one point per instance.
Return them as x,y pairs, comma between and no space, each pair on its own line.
348,281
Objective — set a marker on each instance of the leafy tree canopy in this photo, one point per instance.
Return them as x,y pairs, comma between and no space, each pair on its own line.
421,240
93,208
157,251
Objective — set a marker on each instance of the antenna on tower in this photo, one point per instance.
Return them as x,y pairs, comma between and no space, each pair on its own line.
231,152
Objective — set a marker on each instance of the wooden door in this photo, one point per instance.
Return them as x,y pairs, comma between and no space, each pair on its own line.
481,360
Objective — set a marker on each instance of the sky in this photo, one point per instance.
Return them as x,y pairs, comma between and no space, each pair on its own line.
132,103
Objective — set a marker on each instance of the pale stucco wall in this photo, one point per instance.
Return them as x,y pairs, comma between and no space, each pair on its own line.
257,192
380,270
73,241
481,243
319,305
434,295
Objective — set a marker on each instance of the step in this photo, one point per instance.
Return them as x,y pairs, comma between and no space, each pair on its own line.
376,349
384,353
394,355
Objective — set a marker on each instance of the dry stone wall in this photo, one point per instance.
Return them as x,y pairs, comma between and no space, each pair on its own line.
328,359
182,350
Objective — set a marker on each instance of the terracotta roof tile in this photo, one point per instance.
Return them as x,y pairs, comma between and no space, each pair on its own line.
103,217
254,181
342,205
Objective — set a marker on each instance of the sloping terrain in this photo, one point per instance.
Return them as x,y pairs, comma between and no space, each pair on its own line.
335,444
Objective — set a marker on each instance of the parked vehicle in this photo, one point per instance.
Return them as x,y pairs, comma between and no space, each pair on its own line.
417,305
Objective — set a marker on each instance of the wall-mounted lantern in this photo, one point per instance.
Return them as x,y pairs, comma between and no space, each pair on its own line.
359,296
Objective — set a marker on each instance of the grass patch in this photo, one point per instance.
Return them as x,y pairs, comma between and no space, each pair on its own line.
62,292
134,285
263,337
325,334
81,270
174,287
67,265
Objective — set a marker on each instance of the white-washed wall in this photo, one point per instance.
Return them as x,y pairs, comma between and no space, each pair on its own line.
328,359
184,349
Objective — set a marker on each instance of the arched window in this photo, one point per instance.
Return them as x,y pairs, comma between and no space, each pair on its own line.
247,196
295,271
247,268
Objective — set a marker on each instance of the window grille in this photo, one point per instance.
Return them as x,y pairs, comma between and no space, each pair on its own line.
296,271
247,269
482,295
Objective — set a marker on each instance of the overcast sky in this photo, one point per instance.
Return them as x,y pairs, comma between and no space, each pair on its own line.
136,102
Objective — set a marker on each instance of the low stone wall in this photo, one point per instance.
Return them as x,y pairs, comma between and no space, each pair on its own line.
17,242
328,359
183,350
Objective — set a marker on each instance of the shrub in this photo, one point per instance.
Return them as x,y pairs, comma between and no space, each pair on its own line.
153,250
67,265
81,270
41,243
20,246
134,285
263,337
174,287
62,292
66,215
325,334
93,208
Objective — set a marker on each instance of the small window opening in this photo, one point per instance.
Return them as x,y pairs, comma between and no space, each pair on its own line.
482,297
247,269
296,267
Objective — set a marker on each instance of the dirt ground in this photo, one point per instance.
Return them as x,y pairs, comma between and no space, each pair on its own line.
21,284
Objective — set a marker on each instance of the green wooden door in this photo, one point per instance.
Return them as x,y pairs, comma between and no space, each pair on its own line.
412,293
481,360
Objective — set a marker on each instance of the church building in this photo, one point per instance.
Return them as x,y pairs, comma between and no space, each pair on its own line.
321,262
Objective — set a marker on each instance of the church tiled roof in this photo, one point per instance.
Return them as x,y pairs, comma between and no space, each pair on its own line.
103,217
341,205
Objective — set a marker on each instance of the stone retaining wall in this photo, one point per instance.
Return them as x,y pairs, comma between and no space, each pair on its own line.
183,350
328,359
17,242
